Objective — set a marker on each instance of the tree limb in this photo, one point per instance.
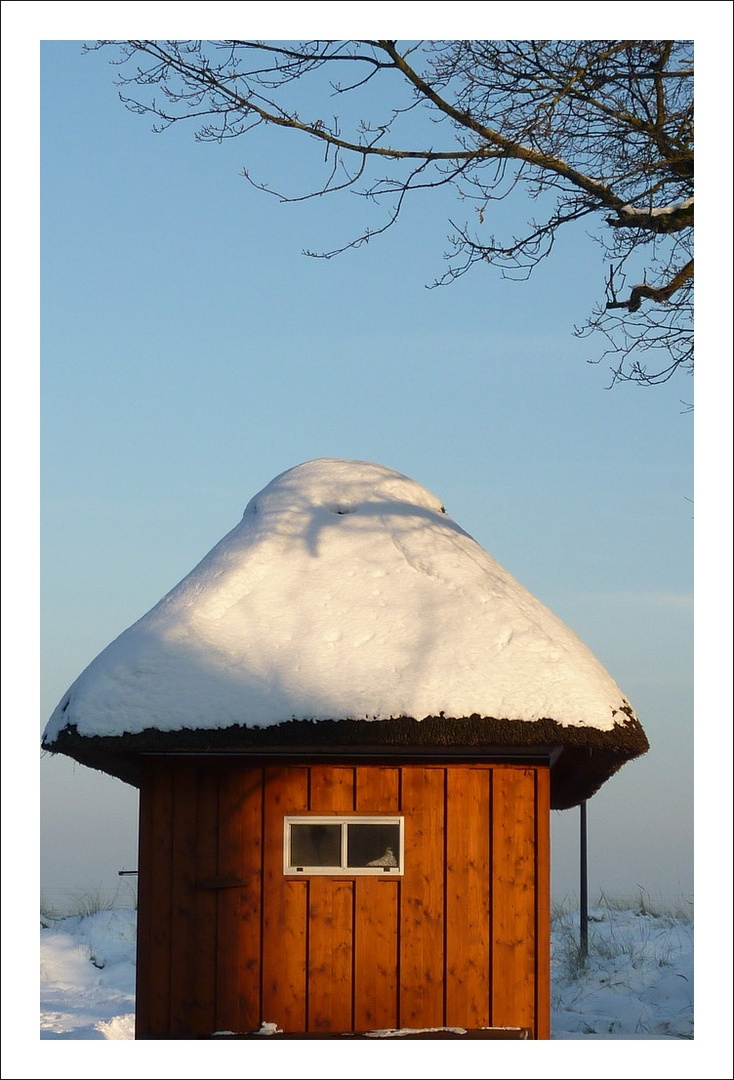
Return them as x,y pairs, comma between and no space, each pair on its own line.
591,129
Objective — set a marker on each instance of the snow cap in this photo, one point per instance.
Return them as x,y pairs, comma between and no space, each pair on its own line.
346,593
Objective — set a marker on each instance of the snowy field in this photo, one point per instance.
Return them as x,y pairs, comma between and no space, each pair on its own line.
636,984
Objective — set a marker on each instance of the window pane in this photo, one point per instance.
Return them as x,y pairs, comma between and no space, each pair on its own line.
315,845
373,845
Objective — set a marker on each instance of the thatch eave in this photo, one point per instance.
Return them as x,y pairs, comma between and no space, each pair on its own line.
589,756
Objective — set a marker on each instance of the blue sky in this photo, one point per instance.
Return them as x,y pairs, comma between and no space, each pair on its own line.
190,353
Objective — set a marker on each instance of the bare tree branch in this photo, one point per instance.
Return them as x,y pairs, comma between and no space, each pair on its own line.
594,130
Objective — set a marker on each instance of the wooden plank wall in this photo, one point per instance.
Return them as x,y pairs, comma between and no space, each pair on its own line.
226,940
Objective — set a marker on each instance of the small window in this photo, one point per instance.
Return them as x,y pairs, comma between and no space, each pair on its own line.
343,845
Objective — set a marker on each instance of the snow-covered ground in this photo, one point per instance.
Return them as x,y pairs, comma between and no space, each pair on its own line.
88,976
636,984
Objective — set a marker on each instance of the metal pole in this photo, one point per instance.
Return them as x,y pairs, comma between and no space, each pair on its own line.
584,886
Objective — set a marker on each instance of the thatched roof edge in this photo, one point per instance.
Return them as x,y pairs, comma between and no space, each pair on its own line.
590,756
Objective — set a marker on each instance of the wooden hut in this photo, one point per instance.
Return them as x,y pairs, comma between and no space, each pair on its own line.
349,725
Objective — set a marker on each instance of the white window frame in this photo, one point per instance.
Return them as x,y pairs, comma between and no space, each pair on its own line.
344,820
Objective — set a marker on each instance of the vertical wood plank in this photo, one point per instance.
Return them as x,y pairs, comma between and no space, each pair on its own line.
514,901
204,928
422,899
378,790
330,916
284,917
468,942
183,871
153,1001
239,909
331,789
330,955
143,967
376,930
543,905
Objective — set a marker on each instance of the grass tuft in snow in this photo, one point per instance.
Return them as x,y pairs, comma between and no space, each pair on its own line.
680,910
92,901
86,903
50,913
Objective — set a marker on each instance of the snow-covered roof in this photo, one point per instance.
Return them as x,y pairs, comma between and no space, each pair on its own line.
346,592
